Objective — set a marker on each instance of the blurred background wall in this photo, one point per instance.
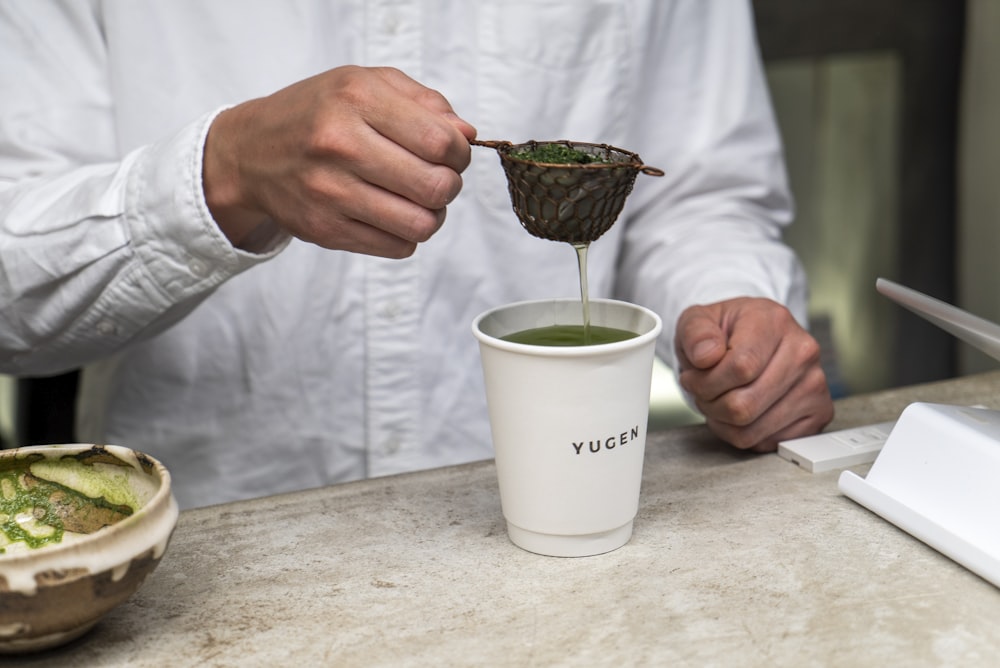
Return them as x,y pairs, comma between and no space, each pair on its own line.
979,174
868,96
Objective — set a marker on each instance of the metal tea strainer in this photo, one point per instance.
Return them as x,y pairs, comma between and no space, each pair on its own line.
574,202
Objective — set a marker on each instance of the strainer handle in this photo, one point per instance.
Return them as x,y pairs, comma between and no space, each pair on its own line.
489,143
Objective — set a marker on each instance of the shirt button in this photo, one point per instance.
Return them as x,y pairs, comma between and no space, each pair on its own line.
392,445
106,328
390,24
390,310
197,267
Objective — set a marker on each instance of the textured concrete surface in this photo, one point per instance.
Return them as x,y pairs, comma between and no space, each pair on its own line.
736,560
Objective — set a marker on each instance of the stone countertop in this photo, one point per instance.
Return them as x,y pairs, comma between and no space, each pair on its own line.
736,559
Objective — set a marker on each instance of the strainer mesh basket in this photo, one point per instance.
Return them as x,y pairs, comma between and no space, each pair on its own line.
576,202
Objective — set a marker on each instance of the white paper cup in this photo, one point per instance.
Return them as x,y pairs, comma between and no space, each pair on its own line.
568,424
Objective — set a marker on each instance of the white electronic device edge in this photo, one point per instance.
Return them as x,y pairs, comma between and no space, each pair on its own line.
936,479
972,329
836,449
935,476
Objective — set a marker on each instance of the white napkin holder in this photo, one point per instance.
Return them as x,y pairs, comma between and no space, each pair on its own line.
938,478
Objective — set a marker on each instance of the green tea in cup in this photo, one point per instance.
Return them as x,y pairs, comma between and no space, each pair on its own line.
569,335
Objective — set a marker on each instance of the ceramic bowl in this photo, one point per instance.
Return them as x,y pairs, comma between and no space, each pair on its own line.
81,526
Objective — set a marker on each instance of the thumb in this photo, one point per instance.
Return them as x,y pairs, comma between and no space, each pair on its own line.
700,342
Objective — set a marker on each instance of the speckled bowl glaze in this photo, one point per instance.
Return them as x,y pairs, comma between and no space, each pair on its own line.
94,552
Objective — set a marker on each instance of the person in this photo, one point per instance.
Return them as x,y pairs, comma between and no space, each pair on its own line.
232,216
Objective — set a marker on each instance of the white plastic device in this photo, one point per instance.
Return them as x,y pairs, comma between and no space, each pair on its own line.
936,476
836,449
937,479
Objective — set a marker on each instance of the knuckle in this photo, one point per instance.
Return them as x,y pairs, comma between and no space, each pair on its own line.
745,365
412,225
809,349
355,83
386,72
422,226
739,408
440,188
736,437
314,185
437,143
329,140
430,98
401,251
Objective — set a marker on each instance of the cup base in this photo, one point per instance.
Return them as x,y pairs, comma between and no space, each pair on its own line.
586,545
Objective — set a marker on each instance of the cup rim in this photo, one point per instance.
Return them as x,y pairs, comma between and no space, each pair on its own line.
567,351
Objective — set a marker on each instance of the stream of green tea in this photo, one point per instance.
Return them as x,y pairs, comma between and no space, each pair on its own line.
572,335
581,263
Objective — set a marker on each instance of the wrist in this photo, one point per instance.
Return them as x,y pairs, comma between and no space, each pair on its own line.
237,218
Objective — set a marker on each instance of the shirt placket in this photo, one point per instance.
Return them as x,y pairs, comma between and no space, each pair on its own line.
392,287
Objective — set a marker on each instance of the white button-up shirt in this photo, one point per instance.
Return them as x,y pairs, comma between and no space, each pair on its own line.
251,373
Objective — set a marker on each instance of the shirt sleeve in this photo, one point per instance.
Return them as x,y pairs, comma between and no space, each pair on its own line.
711,228
97,250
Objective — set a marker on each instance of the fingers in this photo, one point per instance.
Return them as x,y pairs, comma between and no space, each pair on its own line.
360,237
729,344
768,385
420,120
700,341
331,156
804,410
761,365
403,168
386,129
396,170
345,212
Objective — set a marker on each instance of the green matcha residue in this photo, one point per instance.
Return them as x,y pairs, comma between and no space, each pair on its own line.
49,509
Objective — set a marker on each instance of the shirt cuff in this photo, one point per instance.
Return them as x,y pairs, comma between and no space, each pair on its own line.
171,229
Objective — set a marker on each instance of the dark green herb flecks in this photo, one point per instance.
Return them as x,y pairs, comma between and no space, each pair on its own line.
557,154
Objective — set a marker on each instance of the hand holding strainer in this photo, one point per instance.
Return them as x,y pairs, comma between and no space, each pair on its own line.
568,191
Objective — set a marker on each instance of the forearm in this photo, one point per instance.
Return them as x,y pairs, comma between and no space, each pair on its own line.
106,255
